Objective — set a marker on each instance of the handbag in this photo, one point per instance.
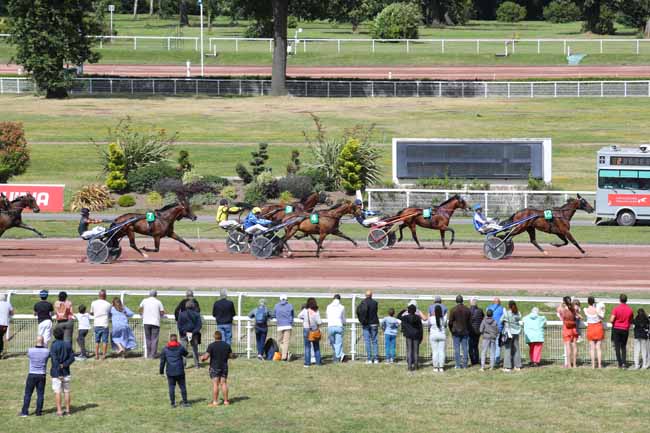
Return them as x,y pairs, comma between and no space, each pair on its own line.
312,335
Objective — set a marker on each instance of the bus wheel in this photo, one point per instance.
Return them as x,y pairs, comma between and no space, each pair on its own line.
626,218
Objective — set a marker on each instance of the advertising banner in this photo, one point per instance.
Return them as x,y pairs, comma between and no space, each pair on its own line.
48,197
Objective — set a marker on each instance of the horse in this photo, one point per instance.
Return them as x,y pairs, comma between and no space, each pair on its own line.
163,226
439,220
559,225
277,212
328,224
11,214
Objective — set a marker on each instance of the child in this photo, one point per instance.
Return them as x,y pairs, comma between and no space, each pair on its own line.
84,326
173,356
576,307
489,329
218,353
389,325
641,331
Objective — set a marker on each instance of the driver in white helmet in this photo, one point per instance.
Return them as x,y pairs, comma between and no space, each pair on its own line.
482,223
253,224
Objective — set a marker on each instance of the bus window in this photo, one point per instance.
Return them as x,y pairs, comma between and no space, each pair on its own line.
624,179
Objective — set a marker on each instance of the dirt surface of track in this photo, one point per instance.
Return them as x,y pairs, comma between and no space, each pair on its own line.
376,72
54,263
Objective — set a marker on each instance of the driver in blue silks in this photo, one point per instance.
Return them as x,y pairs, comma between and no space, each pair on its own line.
367,217
482,224
253,223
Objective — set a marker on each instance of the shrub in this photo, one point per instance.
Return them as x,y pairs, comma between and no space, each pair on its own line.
535,184
94,197
191,176
254,194
259,29
184,164
154,200
605,23
116,181
350,167
510,12
258,163
297,186
294,164
143,179
286,197
243,173
476,185
562,11
268,185
324,168
126,201
397,21
204,199
229,192
440,183
14,154
292,22
215,180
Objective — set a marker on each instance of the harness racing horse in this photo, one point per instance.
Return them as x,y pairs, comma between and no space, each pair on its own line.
328,224
276,212
439,220
163,226
11,214
559,224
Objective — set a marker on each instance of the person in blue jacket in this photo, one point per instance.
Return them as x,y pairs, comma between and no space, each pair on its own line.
172,358
483,224
254,224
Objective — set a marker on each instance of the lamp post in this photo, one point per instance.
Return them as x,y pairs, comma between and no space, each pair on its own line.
201,12
295,41
111,9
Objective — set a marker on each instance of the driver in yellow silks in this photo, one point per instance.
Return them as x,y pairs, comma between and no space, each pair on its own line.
223,211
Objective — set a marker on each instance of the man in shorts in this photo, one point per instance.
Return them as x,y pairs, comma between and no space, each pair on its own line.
43,311
100,309
218,352
62,357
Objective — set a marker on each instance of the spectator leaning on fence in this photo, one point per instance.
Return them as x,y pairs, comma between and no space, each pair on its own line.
122,337
83,327
438,337
459,325
476,317
534,325
6,311
283,313
43,311
62,358
172,357
511,320
413,333
490,331
641,334
64,316
335,327
224,312
152,311
595,331
621,320
189,296
311,322
189,327
36,377
261,316
100,309
390,326
367,315
497,312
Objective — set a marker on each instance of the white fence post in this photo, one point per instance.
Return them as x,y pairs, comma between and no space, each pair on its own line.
240,313
236,45
135,43
478,46
601,46
248,339
373,46
408,46
18,86
539,46
637,47
169,44
485,199
2,85
443,46
408,198
353,337
338,45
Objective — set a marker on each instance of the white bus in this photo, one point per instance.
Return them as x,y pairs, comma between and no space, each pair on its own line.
623,186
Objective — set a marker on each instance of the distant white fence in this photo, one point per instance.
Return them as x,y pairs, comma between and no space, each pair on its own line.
494,203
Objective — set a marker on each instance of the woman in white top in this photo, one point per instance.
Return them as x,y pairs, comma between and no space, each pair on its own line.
311,322
595,331
437,337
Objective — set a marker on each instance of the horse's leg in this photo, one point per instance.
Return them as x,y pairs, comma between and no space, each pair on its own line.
533,239
453,235
320,243
574,242
31,229
179,239
401,233
442,238
343,236
131,235
563,239
414,234
156,245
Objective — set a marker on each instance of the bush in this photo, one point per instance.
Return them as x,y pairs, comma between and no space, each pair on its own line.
511,12
268,185
94,197
14,154
397,21
440,183
4,25
562,11
115,181
154,200
286,197
350,167
184,164
254,194
476,185
126,201
243,173
535,184
605,23
191,176
297,186
324,168
204,199
294,163
143,179
215,180
292,22
258,163
259,29
229,192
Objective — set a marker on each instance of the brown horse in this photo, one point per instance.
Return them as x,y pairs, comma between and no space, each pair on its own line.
559,225
11,215
439,219
277,212
163,226
328,224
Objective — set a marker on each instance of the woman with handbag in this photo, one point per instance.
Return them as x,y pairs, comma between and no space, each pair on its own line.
311,322
511,320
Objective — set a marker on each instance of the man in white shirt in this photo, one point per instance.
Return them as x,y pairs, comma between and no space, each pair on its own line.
335,323
6,311
152,311
100,310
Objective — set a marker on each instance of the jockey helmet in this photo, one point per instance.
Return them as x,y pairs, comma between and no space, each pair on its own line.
478,206
256,210
85,211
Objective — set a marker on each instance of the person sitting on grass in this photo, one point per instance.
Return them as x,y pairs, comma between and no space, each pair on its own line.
218,352
62,357
172,357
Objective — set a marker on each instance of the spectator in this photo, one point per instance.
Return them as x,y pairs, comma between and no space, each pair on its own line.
224,311
283,313
497,312
438,337
437,301
36,377
218,353
122,337
367,315
490,331
83,319
100,309
172,358
570,335
534,325
311,322
476,317
412,330
577,308
621,320
6,311
43,311
64,316
459,325
511,320
390,325
62,357
423,316
261,314
595,331
189,296
152,310
335,327
641,331
189,327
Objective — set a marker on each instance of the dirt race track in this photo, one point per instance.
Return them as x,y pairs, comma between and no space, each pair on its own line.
54,263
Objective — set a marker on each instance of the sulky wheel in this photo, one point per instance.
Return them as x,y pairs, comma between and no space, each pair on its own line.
510,247
237,242
392,239
494,248
97,251
263,247
377,239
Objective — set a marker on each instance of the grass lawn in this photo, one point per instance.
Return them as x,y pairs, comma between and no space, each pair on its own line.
112,395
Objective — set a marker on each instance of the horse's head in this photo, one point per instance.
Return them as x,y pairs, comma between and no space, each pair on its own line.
186,211
461,203
355,209
584,205
29,201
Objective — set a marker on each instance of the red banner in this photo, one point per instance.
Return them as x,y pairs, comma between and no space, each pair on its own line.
639,200
48,197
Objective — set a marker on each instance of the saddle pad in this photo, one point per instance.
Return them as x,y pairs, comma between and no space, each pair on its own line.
313,218
548,214
288,209
426,213
150,216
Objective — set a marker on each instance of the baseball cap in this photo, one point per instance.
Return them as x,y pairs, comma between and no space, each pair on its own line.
283,297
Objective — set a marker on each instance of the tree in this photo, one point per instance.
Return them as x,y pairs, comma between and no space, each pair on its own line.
598,16
258,162
350,166
637,14
14,154
279,69
183,18
116,179
135,9
47,38
449,12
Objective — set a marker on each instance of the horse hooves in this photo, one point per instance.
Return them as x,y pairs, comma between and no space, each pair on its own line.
545,253
42,236
145,255
420,247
